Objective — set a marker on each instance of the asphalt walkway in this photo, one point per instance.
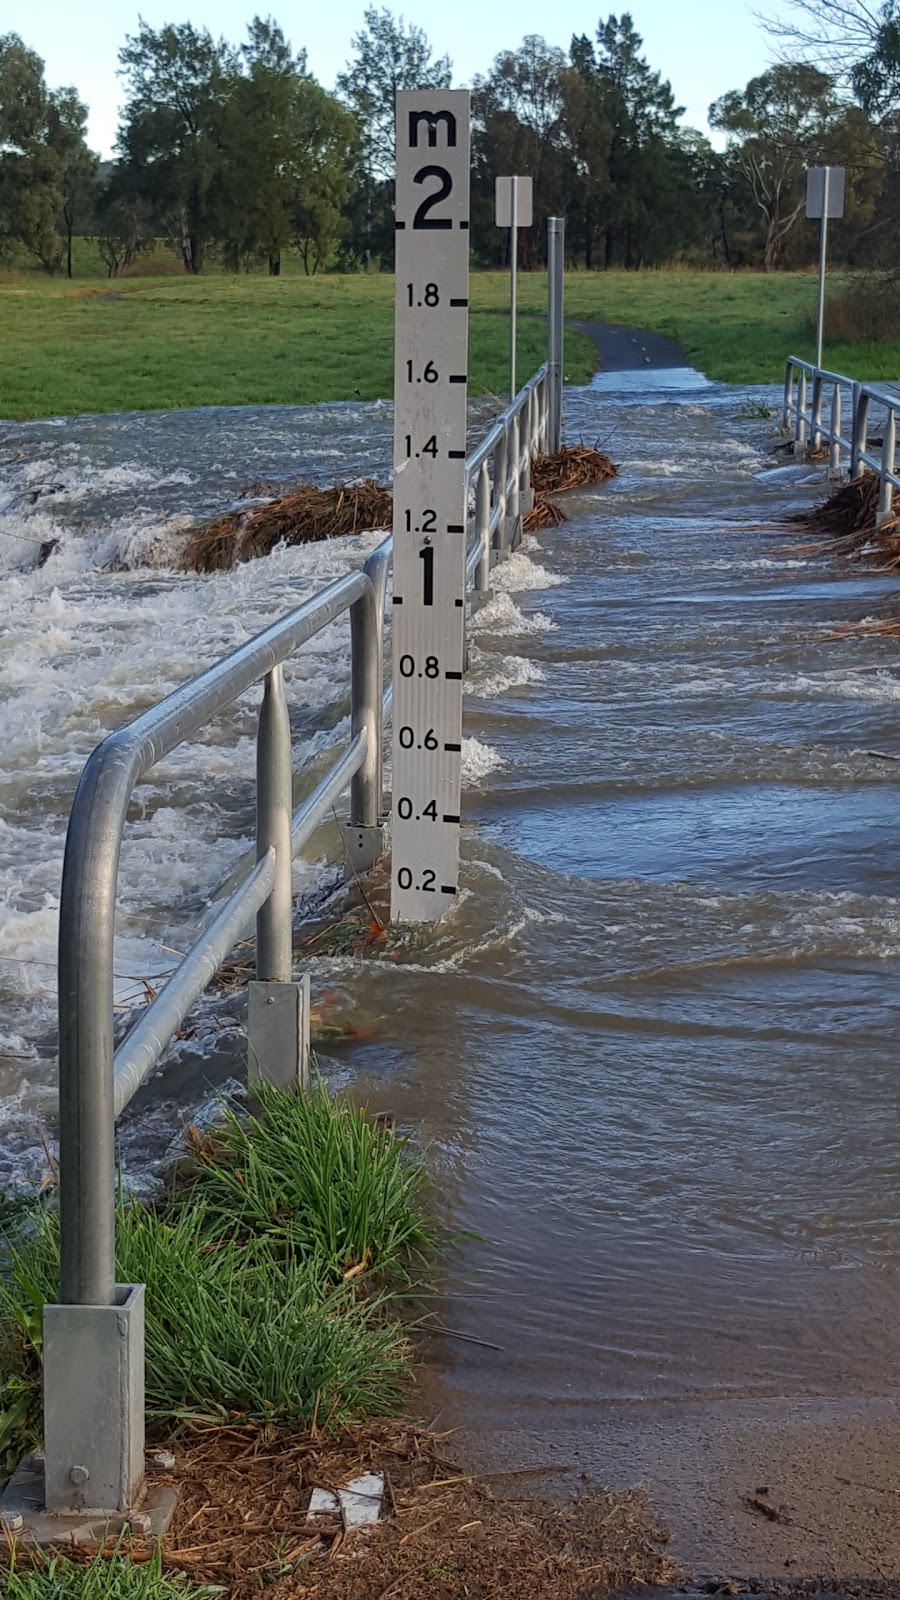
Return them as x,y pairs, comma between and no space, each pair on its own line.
625,349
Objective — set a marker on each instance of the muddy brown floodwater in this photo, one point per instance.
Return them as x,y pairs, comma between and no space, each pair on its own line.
656,1055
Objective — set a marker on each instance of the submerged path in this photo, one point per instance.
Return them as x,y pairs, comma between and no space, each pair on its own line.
624,349
655,1051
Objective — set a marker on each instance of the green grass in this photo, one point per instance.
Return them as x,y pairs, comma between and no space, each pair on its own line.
253,1308
53,1577
145,343
314,1177
735,327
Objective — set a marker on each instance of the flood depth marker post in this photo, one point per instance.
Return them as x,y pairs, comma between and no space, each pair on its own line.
430,389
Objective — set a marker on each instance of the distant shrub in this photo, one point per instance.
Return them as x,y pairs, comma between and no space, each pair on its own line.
866,310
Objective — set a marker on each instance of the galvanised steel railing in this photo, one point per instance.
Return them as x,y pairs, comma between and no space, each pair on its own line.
805,390
93,1455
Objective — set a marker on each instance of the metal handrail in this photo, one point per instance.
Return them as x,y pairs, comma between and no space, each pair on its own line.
97,1084
802,418
93,1339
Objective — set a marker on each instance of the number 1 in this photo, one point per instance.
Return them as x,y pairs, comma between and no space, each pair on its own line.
427,556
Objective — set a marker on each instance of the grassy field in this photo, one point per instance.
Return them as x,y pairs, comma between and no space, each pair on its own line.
143,343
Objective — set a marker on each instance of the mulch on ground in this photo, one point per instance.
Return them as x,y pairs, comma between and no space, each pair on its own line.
241,1522
307,514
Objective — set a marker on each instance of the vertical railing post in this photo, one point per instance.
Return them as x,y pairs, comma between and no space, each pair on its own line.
277,1008
800,432
483,527
526,493
501,480
835,422
817,396
555,261
365,709
273,830
364,835
513,525
888,465
860,430
93,1340
788,394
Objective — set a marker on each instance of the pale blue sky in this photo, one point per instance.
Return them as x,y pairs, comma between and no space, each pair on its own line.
704,46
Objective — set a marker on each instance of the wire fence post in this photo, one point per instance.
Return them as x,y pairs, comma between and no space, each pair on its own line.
555,258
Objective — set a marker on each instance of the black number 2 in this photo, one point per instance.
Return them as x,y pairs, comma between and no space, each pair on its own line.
421,218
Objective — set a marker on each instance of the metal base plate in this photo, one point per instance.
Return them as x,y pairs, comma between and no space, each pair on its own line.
23,1517
363,847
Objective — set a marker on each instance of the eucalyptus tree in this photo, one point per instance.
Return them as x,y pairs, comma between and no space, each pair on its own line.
177,80
76,167
389,54
516,113
776,128
46,168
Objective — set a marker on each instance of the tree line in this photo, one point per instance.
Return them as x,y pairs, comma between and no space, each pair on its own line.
237,154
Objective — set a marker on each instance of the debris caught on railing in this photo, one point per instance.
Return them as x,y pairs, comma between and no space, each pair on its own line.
848,521
304,516
307,514
573,467
850,511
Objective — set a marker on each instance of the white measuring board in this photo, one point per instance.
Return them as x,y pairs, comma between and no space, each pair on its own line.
428,624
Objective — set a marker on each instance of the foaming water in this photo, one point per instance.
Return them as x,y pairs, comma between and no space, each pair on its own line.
652,1047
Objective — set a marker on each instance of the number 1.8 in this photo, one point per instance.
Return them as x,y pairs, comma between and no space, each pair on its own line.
431,295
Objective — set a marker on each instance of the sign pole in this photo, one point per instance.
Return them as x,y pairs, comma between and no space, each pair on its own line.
823,245
513,265
514,209
430,385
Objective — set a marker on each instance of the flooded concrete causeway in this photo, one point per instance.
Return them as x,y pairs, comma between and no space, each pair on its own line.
653,1053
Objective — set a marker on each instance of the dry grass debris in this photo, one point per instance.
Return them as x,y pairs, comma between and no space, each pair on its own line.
848,522
575,467
242,1508
306,514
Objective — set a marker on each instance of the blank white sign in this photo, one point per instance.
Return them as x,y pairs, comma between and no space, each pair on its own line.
504,202
815,191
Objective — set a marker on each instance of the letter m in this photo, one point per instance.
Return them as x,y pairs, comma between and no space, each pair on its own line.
432,118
